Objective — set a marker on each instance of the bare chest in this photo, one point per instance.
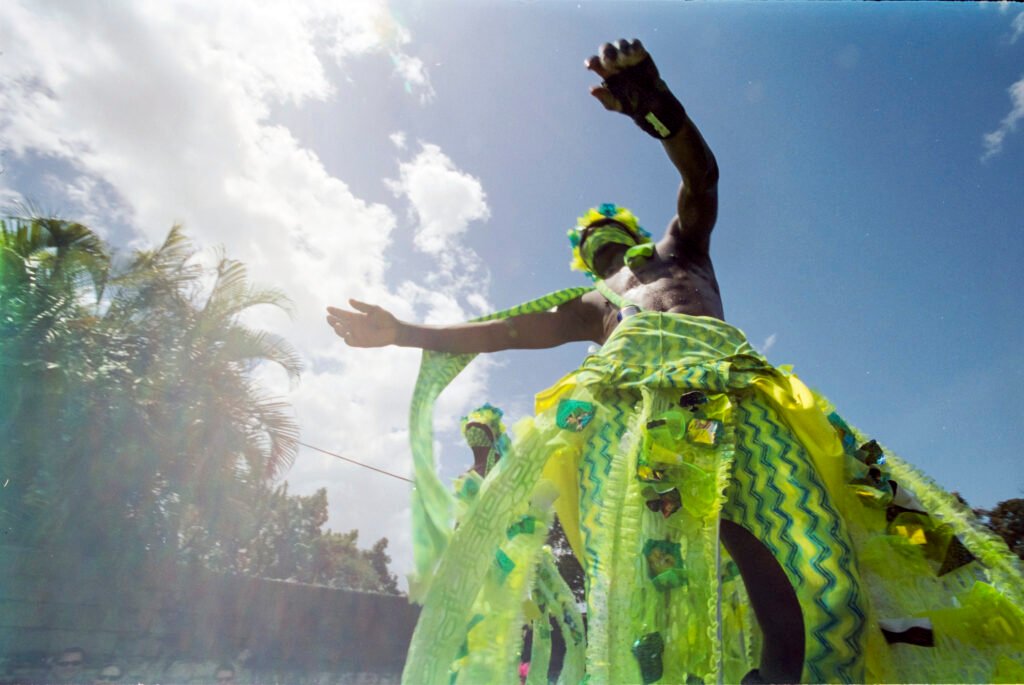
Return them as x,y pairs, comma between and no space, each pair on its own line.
675,286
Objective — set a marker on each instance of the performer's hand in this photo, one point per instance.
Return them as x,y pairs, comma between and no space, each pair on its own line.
369,326
631,85
613,59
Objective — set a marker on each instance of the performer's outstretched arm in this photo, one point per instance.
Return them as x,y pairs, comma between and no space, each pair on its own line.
633,86
372,326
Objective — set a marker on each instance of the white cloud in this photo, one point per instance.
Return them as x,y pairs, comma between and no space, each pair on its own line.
479,303
398,138
367,26
162,111
769,343
444,199
1018,27
413,74
994,140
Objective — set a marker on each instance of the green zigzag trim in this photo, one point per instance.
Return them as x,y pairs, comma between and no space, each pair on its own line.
832,613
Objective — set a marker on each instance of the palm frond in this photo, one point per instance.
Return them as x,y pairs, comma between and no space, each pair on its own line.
233,293
241,343
170,264
67,252
274,423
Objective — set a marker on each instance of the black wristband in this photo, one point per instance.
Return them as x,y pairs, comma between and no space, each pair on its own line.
647,100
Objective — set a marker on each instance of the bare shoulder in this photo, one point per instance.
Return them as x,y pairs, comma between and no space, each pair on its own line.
586,314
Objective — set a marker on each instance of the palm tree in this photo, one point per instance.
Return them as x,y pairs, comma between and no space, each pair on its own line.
46,268
45,265
135,395
221,436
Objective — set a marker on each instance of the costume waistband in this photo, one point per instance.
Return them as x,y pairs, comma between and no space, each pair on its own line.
656,337
683,352
660,350
655,349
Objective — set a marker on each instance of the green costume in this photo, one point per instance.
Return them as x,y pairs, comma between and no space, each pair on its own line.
755,447
524,569
676,423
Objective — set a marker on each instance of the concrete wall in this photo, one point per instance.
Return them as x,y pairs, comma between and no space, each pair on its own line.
178,622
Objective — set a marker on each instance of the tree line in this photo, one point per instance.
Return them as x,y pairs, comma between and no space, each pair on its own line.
131,424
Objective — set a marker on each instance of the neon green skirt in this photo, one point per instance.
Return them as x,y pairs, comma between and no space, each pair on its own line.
674,424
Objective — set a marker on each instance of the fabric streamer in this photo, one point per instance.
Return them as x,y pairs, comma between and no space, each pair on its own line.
431,500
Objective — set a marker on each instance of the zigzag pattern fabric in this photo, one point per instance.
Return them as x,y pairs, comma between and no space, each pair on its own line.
777,496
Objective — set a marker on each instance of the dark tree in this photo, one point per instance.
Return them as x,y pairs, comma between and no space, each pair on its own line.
1007,521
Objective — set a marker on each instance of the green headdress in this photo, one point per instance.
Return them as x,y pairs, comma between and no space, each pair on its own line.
626,231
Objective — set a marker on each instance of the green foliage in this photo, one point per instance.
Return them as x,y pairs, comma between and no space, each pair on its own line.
1007,521
284,539
130,422
127,390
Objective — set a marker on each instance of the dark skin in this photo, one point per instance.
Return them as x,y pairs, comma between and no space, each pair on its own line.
680,279
480,459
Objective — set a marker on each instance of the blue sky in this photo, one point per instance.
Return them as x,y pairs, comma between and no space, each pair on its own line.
430,156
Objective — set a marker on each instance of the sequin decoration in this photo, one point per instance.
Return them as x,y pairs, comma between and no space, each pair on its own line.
703,431
650,475
505,565
648,651
527,524
665,503
574,415
664,564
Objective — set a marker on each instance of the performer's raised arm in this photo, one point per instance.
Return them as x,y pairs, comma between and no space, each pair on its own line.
631,85
372,326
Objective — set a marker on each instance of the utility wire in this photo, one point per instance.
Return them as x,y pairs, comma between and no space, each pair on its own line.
357,463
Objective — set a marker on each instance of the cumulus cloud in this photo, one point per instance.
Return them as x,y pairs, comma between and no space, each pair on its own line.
161,113
443,199
994,140
367,26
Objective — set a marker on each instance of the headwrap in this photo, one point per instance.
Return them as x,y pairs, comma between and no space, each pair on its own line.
482,427
586,238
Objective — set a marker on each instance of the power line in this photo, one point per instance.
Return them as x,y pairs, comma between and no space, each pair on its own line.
353,461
